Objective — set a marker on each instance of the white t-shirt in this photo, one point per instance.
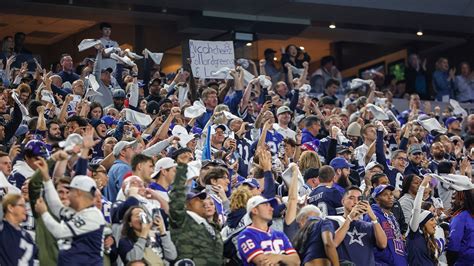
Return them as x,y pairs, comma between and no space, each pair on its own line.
285,132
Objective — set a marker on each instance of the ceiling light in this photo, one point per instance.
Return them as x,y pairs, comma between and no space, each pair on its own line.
419,33
302,47
275,58
332,26
249,44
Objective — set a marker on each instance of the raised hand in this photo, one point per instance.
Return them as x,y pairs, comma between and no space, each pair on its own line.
42,165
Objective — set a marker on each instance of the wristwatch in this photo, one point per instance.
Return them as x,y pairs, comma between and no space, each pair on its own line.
375,221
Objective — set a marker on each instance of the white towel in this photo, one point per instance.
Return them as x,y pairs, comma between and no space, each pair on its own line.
156,57
195,111
87,43
137,117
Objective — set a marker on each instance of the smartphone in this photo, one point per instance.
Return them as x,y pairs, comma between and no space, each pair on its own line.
268,98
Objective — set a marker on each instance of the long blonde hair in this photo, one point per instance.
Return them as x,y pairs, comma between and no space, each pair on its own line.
239,198
309,159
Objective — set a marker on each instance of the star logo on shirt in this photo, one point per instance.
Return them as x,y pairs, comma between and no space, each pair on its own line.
356,237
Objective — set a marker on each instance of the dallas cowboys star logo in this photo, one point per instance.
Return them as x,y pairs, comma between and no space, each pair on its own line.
356,237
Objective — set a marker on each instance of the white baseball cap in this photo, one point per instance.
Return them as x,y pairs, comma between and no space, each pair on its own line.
71,141
84,183
163,164
257,200
373,164
122,145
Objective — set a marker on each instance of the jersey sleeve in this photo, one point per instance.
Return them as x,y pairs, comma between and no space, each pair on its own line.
79,224
249,246
456,231
326,225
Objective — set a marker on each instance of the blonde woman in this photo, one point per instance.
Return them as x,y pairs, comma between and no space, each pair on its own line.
237,220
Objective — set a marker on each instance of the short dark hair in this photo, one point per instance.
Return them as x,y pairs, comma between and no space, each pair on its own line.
215,173
352,187
332,82
80,120
375,178
326,173
328,59
62,57
104,25
50,122
138,159
311,120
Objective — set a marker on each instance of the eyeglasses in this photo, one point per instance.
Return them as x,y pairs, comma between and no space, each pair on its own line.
402,159
21,205
416,153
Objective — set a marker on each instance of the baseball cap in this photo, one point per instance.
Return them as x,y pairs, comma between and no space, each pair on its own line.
96,122
269,51
119,93
379,189
163,164
122,145
251,182
342,149
339,163
109,120
37,148
373,164
71,141
84,183
415,148
451,120
354,129
154,80
178,152
108,69
283,109
191,195
152,108
257,200
221,126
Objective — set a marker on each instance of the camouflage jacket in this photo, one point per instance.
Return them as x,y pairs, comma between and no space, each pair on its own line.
192,239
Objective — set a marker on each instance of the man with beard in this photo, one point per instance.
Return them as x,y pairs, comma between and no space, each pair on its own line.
453,124
394,253
342,170
416,160
54,132
325,196
154,88
437,154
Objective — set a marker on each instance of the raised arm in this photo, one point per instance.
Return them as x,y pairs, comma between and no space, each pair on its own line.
415,216
292,205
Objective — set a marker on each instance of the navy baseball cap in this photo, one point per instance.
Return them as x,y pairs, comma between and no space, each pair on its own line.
118,94
379,189
251,182
191,195
339,163
109,120
451,120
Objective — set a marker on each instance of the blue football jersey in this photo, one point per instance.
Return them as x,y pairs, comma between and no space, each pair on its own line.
253,242
314,246
327,199
16,246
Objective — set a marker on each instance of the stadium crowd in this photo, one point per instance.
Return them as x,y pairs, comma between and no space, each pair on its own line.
285,168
